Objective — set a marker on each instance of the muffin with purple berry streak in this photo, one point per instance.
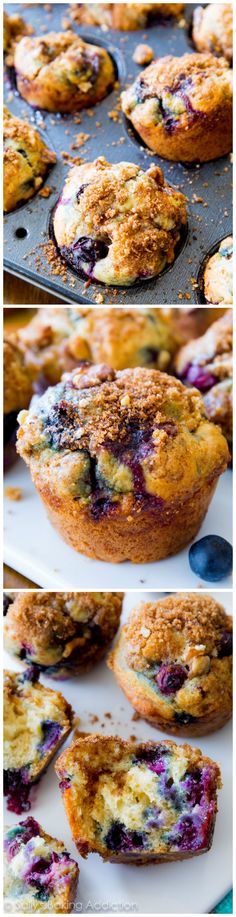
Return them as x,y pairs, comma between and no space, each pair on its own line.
64,633
181,107
124,17
60,72
173,661
36,722
207,363
116,223
40,876
150,802
213,29
126,462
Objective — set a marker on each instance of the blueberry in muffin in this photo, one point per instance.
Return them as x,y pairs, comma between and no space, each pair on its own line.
64,633
218,274
60,72
36,722
181,107
116,223
125,17
213,29
207,363
150,802
125,462
26,160
173,660
40,876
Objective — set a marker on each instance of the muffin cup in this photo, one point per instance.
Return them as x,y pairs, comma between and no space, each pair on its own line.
148,535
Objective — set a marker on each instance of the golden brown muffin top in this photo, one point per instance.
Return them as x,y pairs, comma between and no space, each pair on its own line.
184,85
52,620
213,28
175,628
147,432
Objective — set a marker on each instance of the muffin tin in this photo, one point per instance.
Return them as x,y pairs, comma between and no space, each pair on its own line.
208,187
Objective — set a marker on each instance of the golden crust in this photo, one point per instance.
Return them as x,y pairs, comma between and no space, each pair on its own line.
68,631
132,215
57,339
124,17
13,29
131,452
213,355
213,29
101,766
184,630
26,161
182,107
62,73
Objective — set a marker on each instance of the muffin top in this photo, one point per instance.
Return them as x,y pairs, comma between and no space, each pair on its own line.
117,223
182,647
60,72
213,28
136,432
218,274
174,91
122,16
26,160
51,626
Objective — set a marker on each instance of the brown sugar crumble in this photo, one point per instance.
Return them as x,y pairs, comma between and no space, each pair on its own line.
13,493
143,54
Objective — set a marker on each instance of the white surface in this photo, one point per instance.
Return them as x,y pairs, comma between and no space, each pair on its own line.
32,547
190,887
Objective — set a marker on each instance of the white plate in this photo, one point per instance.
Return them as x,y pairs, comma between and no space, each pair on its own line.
192,887
32,547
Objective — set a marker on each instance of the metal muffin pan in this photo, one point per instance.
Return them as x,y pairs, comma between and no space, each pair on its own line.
208,187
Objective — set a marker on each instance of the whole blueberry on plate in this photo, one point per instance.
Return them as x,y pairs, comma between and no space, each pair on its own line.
211,557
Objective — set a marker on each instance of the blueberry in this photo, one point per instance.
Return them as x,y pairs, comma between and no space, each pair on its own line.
120,839
226,644
17,790
184,719
171,678
148,355
51,733
211,558
6,602
197,376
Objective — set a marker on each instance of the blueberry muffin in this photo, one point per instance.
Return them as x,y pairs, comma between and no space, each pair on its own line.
150,802
26,161
60,72
125,17
57,339
187,324
213,29
181,107
40,876
125,462
36,722
207,363
218,274
65,633
173,661
118,224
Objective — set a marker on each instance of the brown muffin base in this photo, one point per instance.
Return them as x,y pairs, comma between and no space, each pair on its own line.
207,139
147,536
